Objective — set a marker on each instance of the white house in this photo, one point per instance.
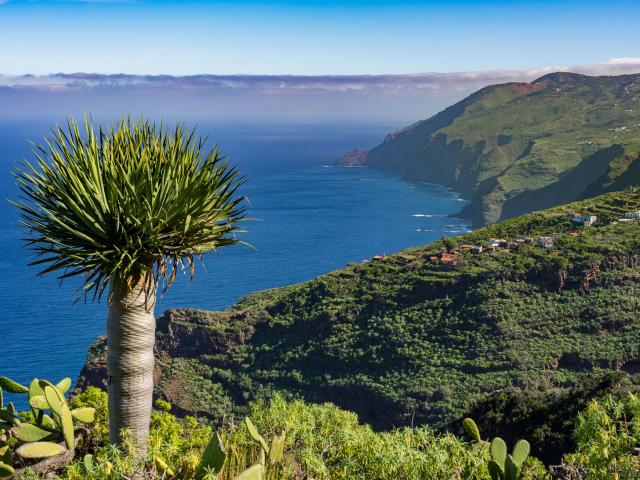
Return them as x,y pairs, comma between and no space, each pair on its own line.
546,242
586,220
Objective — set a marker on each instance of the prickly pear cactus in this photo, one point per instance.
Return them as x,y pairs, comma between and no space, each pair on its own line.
52,431
276,450
40,450
503,466
6,470
521,452
253,473
253,431
11,386
498,451
471,429
212,459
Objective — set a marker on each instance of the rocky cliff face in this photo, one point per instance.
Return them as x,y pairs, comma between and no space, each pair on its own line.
518,147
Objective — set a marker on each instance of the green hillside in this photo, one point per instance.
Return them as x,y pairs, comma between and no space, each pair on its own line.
407,340
509,147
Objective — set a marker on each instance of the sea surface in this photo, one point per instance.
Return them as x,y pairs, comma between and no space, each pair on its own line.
308,218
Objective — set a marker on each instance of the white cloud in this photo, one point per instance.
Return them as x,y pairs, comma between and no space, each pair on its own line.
398,98
279,84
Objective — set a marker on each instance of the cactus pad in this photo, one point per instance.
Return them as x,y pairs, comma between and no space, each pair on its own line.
521,452
40,450
212,459
11,386
63,385
67,426
277,449
47,422
495,471
253,431
53,399
84,414
27,432
5,455
87,461
499,451
6,470
39,402
253,473
510,469
162,466
471,429
35,389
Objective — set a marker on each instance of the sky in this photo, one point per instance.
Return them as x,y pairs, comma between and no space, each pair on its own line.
384,62
311,37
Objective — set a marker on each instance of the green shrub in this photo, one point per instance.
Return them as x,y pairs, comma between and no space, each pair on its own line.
179,442
606,434
325,442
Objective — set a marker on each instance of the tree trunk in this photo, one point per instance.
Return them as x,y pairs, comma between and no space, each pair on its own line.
131,330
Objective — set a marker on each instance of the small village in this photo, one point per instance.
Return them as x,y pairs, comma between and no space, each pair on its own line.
452,256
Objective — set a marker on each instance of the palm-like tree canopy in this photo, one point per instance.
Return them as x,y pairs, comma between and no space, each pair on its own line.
132,201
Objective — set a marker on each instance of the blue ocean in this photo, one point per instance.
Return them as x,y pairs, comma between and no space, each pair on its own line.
308,218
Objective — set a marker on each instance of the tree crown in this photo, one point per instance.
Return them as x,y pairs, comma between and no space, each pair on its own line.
132,201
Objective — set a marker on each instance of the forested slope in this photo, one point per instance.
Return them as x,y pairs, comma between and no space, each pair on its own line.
408,339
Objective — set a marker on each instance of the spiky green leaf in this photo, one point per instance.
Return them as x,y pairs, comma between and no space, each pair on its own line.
132,201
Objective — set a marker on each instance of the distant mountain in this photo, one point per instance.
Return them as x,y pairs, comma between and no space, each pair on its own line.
518,147
426,336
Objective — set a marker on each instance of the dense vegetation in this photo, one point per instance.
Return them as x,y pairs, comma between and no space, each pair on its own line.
509,147
513,337
326,443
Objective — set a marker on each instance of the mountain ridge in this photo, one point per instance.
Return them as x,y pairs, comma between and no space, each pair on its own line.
505,146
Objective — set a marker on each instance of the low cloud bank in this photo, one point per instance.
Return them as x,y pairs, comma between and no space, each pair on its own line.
401,98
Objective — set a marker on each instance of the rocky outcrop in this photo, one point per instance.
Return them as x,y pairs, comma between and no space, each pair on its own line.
353,158
190,332
183,332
